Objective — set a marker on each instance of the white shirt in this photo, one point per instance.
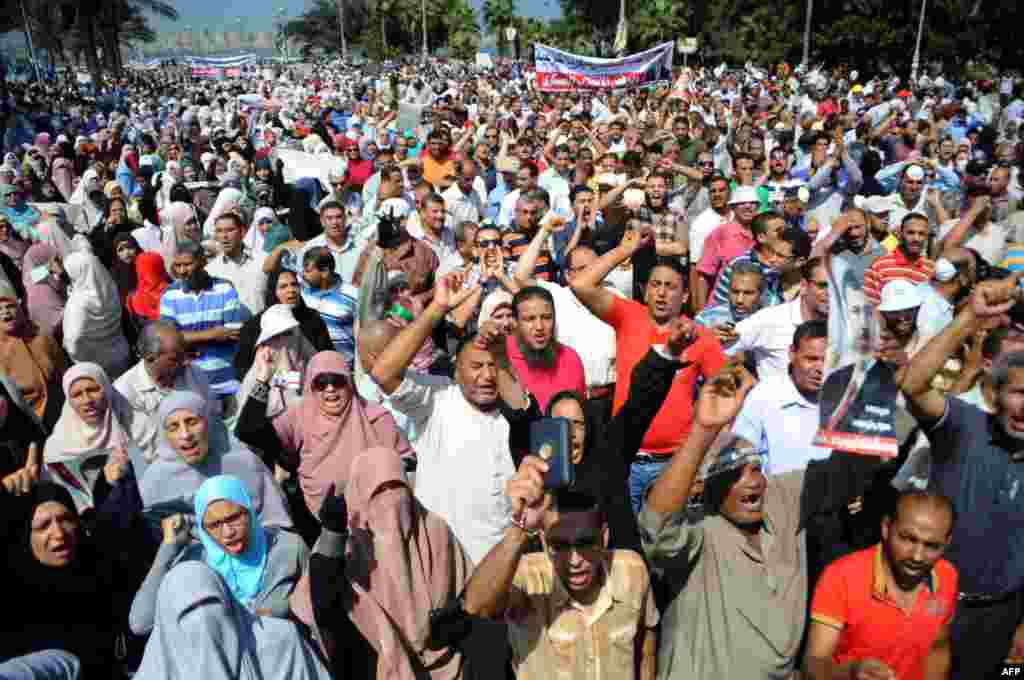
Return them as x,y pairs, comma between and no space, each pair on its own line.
246,275
462,207
508,208
445,249
768,334
463,461
700,228
780,421
144,397
578,328
558,193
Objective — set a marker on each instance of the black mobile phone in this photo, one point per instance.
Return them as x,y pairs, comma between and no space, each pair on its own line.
550,441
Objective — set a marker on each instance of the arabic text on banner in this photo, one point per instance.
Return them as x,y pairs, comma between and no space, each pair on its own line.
559,71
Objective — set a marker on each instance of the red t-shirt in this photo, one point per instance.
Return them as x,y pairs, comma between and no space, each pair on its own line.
543,383
635,333
850,597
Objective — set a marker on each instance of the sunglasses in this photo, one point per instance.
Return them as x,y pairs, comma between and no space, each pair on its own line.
325,380
487,244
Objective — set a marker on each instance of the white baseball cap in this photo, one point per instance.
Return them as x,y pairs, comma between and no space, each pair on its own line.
898,296
746,194
276,320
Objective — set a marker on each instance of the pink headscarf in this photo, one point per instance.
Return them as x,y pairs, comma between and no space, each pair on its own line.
176,215
322,446
402,562
43,299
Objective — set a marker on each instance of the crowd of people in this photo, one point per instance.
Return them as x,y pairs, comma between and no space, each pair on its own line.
274,355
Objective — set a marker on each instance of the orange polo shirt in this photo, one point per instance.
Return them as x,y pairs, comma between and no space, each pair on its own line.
635,333
434,171
851,597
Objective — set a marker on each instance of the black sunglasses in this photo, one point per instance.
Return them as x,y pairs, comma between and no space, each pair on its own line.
325,380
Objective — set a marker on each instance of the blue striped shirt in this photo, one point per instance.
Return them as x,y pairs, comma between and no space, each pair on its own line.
338,307
771,293
202,310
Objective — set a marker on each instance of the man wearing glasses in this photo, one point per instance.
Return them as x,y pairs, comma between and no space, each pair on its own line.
576,609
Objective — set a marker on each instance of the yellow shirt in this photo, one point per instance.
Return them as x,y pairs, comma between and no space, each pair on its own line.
553,636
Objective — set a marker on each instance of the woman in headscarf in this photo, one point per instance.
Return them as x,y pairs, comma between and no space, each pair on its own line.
63,171
31,359
152,281
11,243
92,317
22,216
74,584
359,168
302,216
127,169
90,453
226,598
115,223
46,289
254,238
182,225
122,269
90,197
195,446
283,288
389,599
228,200
318,436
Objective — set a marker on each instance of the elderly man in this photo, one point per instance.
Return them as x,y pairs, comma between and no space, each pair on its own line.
463,440
163,369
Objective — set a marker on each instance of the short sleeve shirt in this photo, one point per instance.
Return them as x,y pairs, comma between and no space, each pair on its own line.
552,636
635,333
851,597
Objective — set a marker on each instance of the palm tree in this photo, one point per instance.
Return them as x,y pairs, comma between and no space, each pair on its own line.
499,15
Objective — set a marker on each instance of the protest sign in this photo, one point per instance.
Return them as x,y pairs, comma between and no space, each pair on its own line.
559,71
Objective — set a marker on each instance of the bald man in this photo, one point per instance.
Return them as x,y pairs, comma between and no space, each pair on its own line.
373,337
883,613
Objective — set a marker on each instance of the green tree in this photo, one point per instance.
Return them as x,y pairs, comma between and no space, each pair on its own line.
499,15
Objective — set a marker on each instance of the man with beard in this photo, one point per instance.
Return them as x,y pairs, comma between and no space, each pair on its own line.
909,261
639,326
976,460
780,415
543,365
885,612
209,315
898,310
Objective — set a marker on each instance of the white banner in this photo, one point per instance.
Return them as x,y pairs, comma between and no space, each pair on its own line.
559,71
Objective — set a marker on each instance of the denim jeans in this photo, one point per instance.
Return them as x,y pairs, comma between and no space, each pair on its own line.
52,664
643,473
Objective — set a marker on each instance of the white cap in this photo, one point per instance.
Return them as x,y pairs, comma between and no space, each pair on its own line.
276,320
899,295
875,205
944,270
915,172
745,194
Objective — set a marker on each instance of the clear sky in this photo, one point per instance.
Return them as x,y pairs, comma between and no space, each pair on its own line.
258,15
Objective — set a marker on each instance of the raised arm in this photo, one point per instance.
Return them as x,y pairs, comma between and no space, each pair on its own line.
718,405
390,367
988,305
587,285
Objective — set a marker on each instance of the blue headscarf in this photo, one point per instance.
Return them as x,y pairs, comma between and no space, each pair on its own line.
243,574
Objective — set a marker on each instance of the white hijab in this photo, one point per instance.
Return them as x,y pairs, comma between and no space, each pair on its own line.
227,199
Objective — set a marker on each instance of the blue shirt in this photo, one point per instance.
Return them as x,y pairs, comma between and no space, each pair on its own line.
338,307
972,465
202,310
771,293
495,198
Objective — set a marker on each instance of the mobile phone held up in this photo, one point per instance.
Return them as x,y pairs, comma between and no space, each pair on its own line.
550,440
